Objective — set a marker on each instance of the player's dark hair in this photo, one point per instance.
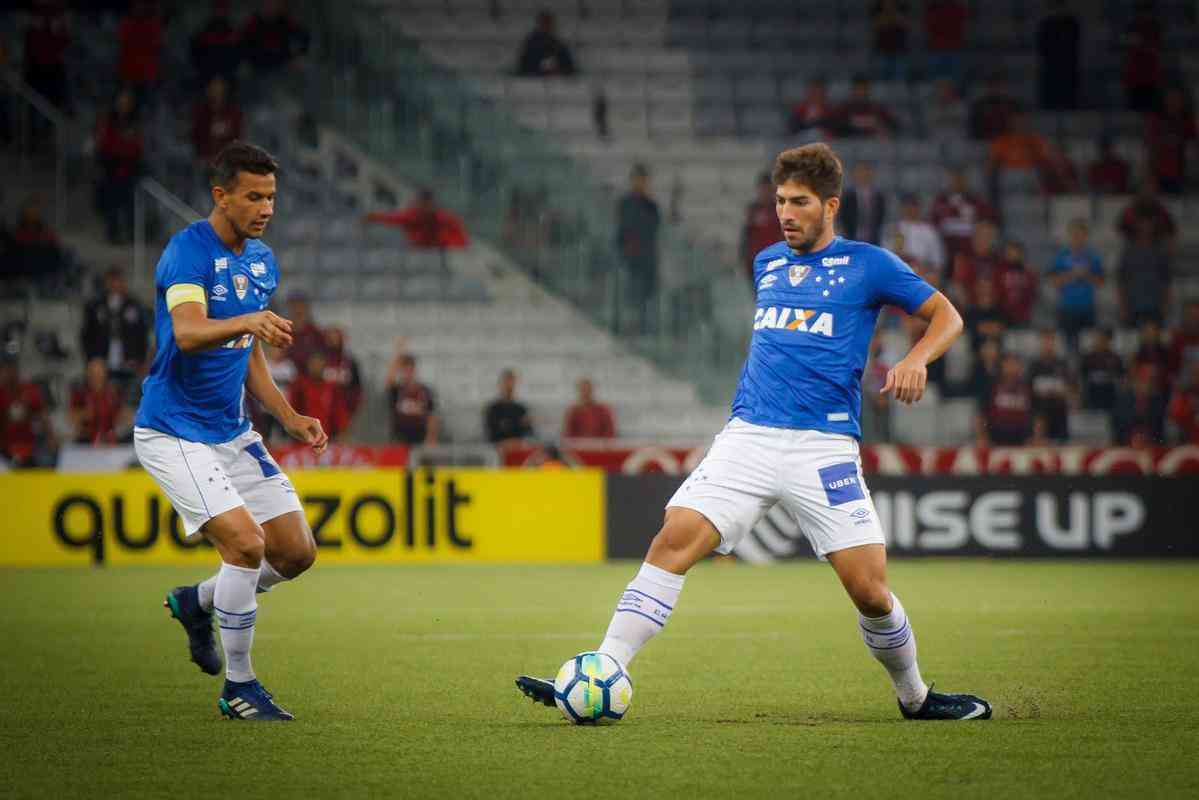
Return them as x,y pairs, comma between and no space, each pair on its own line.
815,166
238,156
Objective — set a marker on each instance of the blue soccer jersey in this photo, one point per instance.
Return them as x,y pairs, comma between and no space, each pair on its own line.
812,328
198,397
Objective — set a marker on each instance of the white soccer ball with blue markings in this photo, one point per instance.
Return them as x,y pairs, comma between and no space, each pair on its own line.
593,688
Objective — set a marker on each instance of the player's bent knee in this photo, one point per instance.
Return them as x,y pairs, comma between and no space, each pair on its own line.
872,598
686,537
294,564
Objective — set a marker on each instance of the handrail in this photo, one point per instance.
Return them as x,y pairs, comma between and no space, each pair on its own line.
168,200
60,122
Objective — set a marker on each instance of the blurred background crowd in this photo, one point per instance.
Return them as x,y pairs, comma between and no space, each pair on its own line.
575,194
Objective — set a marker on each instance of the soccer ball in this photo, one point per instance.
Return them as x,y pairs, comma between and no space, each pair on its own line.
593,688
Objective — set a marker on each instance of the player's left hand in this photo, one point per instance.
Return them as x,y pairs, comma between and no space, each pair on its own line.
906,380
309,431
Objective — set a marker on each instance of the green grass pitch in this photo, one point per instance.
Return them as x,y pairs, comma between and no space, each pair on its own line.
401,679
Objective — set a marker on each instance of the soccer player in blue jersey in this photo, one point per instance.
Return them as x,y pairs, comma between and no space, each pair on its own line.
214,282
793,434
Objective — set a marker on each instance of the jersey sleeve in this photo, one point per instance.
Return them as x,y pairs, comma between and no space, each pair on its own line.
182,276
894,283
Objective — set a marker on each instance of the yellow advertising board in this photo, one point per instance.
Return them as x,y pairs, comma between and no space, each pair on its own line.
357,516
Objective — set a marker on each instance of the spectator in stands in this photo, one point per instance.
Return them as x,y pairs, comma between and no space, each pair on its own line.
47,40
984,373
1152,352
119,151
890,22
314,395
945,38
863,117
1059,38
1017,285
956,212
543,53
1183,409
216,48
1007,417
588,418
25,434
306,337
946,115
1109,173
761,228
342,368
413,420
1143,69
863,206
506,420
97,414
1052,388
920,239
638,220
1184,344
1102,370
980,263
1148,204
273,39
984,318
1022,148
1140,414
1058,175
283,371
1143,275
216,121
814,114
1075,274
139,62
116,329
1170,131
426,225
992,110
36,253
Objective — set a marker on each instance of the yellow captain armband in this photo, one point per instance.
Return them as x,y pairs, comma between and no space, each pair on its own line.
185,293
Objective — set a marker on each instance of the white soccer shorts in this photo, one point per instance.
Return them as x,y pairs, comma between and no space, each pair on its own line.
816,476
204,480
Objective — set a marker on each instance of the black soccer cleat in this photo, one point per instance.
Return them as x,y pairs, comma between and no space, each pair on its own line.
184,604
949,706
539,690
250,701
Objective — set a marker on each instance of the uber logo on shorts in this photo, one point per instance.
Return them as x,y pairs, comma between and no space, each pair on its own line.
841,483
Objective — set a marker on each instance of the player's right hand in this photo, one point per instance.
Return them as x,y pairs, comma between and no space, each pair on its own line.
270,328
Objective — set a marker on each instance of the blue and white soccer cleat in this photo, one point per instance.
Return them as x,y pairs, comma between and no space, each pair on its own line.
539,690
250,701
184,604
949,706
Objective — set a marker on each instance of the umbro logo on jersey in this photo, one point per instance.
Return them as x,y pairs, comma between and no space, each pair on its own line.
220,264
219,290
794,319
778,262
240,284
834,261
257,269
767,282
797,273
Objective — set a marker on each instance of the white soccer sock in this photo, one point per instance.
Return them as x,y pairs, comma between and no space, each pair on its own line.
268,576
892,642
642,611
236,609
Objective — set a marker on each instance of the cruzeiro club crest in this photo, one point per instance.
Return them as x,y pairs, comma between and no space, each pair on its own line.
240,284
797,273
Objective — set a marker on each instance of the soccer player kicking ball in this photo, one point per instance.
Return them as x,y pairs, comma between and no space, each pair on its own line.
192,435
792,436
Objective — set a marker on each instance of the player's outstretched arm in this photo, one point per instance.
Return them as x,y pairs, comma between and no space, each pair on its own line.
261,384
907,378
195,332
